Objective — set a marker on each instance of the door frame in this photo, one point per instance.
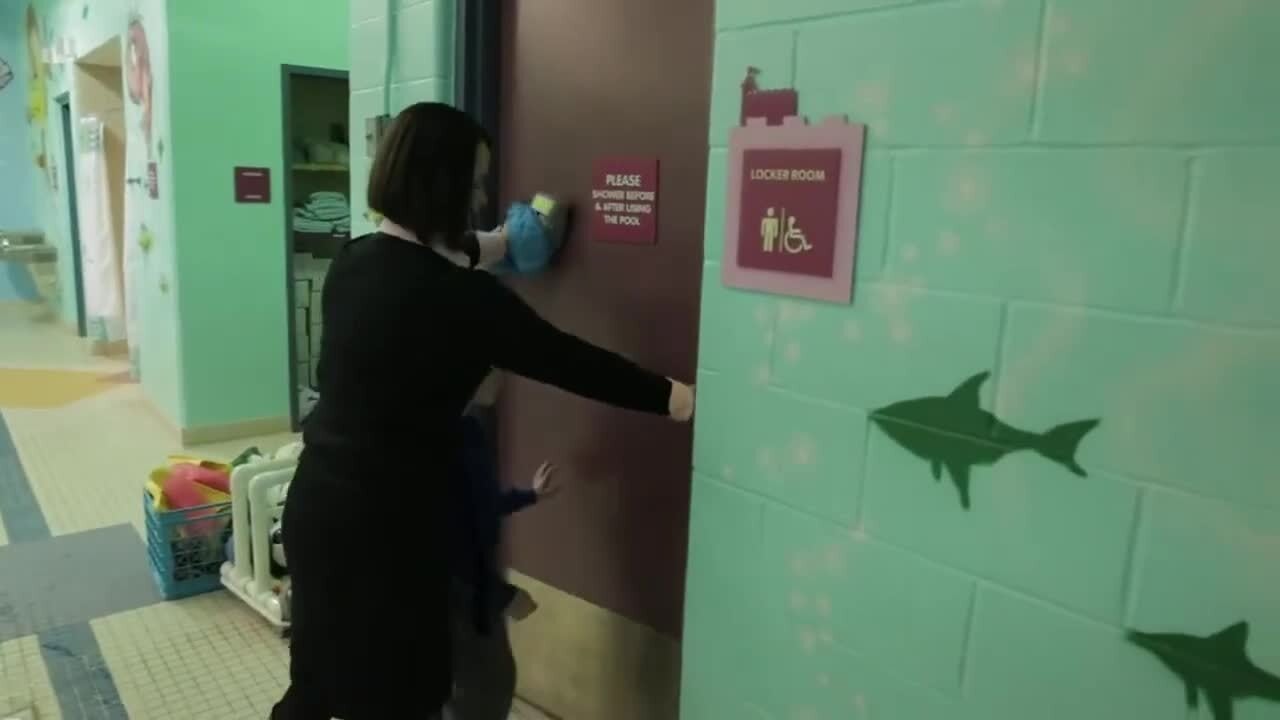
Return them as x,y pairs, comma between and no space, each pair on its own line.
287,74
477,81
67,120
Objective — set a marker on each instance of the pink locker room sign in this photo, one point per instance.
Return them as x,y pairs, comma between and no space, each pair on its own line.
792,212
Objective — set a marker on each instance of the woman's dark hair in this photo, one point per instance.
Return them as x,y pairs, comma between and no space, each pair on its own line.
423,173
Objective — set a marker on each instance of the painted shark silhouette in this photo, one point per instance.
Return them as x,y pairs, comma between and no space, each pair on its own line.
1217,666
953,432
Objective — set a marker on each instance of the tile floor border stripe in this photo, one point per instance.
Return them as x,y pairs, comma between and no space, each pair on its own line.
19,510
77,670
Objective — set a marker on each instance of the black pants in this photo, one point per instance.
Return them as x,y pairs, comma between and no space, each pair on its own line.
484,669
365,645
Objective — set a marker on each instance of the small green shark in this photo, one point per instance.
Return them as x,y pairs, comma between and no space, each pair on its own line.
1217,666
954,432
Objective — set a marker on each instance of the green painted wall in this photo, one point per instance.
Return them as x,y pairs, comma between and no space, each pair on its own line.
84,26
416,38
231,257
1081,196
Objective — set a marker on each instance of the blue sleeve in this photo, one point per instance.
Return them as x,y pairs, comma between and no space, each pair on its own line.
515,500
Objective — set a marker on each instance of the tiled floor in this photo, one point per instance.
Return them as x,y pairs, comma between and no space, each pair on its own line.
85,638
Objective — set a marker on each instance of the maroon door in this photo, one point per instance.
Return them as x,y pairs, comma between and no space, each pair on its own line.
587,79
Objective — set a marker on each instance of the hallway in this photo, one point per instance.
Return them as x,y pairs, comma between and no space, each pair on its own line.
83,634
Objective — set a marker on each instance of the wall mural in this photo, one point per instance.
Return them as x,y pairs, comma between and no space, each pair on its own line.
953,432
138,75
1217,666
37,90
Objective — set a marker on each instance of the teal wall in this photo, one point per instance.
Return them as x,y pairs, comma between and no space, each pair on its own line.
17,202
85,26
416,38
1082,197
231,258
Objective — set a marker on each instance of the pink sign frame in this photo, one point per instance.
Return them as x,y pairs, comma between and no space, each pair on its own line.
834,132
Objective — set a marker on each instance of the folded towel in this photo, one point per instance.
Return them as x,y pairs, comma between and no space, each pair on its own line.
312,226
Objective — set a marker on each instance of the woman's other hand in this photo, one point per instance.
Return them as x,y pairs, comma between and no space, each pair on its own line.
545,484
680,406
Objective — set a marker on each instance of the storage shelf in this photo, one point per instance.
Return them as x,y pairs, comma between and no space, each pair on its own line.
321,167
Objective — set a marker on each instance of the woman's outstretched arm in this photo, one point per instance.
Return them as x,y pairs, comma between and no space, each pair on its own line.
526,344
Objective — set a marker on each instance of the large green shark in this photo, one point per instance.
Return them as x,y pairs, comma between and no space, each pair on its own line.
1217,665
952,431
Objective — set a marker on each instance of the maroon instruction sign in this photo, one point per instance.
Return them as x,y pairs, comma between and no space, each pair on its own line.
624,200
791,222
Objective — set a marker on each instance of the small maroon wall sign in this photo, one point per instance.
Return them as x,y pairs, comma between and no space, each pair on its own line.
253,184
792,212
624,200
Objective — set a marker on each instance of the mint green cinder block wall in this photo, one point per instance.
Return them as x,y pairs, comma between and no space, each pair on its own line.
415,37
231,289
1080,196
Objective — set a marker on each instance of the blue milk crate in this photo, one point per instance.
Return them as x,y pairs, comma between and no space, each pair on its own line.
186,547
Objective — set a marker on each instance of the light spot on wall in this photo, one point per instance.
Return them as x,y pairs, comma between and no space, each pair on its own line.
762,375
948,242
852,330
808,640
1058,23
944,113
993,5
901,333
792,353
800,565
834,559
910,252
726,472
766,459
826,638
860,704
859,534
803,450
997,229
799,602
965,192
976,138
795,312
823,680
822,604
872,96
764,315
1024,71
1075,62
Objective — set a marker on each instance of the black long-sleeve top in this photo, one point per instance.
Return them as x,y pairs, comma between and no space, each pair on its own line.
409,336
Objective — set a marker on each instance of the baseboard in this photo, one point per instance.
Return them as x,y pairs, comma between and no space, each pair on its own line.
579,661
207,434
109,348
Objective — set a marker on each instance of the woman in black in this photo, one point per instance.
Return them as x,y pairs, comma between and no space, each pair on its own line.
410,332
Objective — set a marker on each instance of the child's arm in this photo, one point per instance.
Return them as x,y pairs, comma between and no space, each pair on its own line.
544,486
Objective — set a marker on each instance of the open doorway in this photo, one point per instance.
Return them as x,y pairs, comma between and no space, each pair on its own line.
69,164
98,166
317,178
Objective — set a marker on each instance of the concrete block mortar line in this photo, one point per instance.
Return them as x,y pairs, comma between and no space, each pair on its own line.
827,17
891,177
1178,278
1034,118
966,647
860,497
1136,546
